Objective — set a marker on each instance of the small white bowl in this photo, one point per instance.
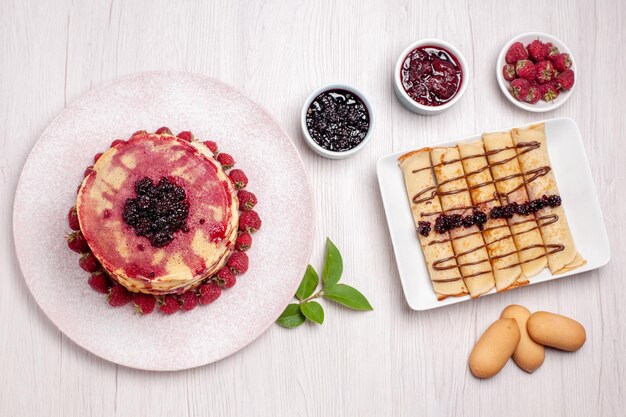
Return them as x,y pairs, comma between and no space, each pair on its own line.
307,136
540,106
411,104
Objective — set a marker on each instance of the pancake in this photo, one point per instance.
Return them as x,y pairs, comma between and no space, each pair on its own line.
467,242
496,233
556,233
509,182
163,260
418,177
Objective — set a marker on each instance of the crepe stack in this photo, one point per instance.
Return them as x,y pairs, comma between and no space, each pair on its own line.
500,169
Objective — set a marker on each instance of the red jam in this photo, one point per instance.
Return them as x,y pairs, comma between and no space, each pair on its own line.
431,75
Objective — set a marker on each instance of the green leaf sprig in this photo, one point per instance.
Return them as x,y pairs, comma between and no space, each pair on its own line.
307,308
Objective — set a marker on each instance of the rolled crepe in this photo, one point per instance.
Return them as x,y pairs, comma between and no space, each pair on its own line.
496,233
468,244
555,232
507,175
418,177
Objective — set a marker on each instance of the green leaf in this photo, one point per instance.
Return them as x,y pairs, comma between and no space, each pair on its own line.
308,284
348,296
291,317
313,311
333,265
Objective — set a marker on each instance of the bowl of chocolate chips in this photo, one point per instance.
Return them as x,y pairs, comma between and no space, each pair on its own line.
337,121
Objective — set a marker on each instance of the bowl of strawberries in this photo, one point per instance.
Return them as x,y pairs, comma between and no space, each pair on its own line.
536,72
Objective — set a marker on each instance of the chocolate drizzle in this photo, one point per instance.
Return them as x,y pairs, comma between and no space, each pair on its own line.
525,146
429,193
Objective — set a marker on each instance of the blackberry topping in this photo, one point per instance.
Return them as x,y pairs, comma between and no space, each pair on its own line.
522,209
158,211
530,207
497,213
480,217
337,120
554,201
534,206
469,221
446,222
423,228
508,211
455,221
541,203
440,224
503,212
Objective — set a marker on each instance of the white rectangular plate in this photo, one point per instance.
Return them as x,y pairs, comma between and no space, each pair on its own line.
576,188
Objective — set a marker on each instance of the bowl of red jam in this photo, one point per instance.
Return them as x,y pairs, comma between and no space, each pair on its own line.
430,76
337,121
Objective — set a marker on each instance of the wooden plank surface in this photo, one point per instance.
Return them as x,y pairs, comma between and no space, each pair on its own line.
390,362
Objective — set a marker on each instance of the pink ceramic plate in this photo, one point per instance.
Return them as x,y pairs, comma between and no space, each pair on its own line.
182,101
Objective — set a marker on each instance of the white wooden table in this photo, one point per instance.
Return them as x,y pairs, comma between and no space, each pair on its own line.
393,361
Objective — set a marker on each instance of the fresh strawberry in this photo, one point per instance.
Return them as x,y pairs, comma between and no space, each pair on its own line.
525,69
72,219
549,91
226,160
225,278
144,303
211,145
88,262
238,263
561,62
186,136
76,242
189,300
533,95
209,292
88,170
100,282
508,71
519,90
119,295
96,157
244,241
565,79
553,50
117,142
515,53
163,131
169,304
538,50
545,71
239,179
249,221
247,200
